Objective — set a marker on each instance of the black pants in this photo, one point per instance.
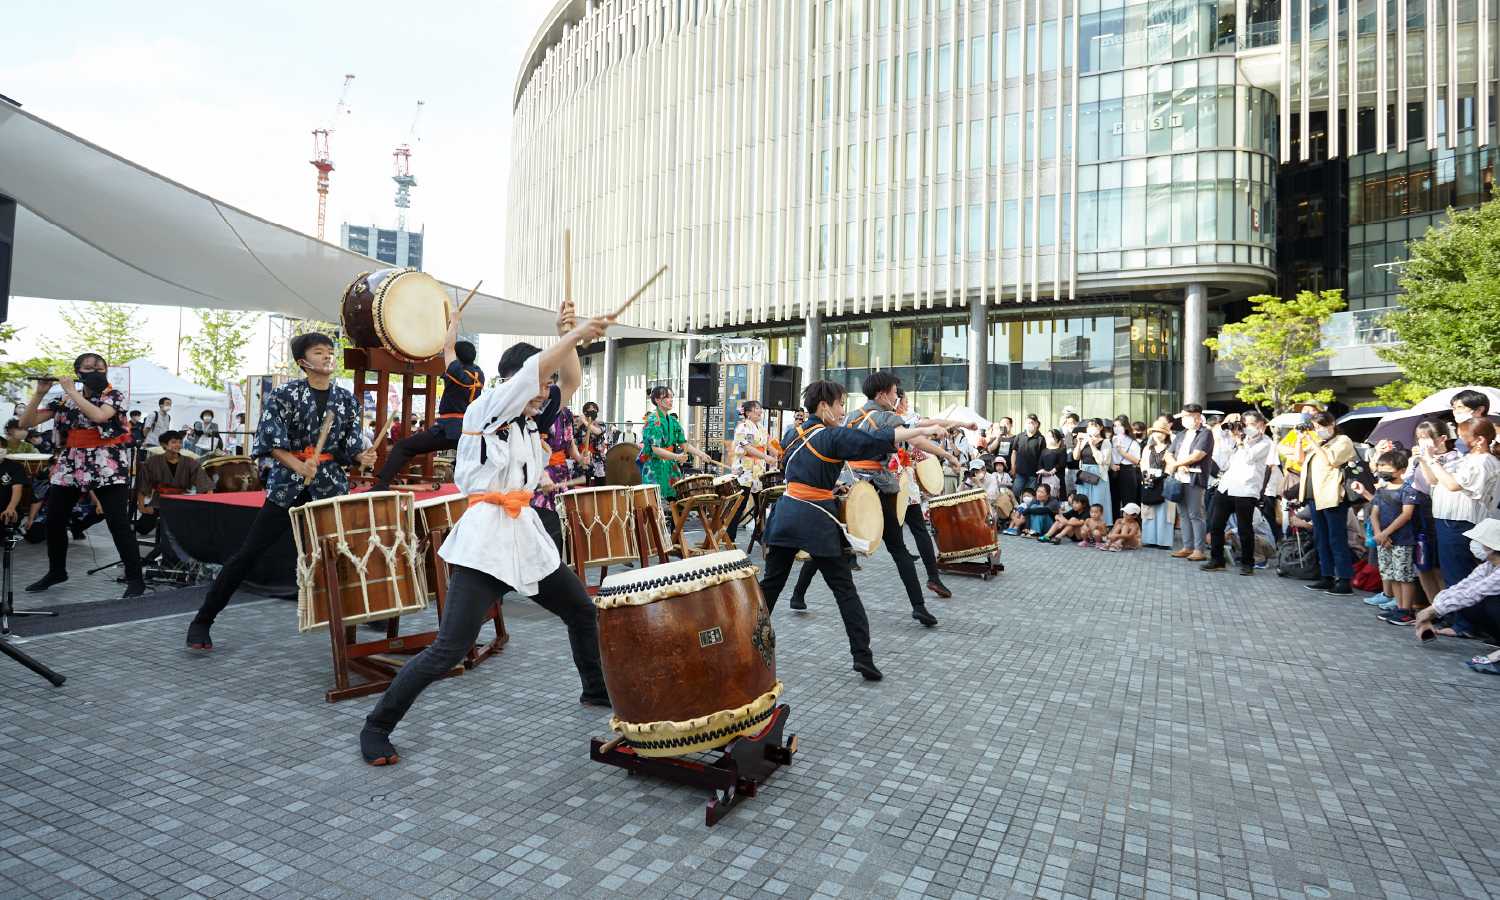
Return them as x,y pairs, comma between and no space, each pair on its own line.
553,523
839,579
919,536
1243,509
114,499
471,595
1124,487
894,543
1270,507
270,524
430,441
1484,617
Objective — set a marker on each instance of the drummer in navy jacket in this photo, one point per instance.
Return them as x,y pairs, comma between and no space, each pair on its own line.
808,516
462,383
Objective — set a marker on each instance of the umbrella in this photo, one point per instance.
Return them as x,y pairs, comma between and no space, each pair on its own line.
1401,425
964,414
1287,420
1359,423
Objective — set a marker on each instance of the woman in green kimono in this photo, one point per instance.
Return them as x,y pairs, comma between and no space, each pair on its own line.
663,444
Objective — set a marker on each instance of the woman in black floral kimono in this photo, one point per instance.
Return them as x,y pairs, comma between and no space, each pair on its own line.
93,439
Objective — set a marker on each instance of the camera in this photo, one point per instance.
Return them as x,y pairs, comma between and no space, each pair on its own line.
1305,426
1236,427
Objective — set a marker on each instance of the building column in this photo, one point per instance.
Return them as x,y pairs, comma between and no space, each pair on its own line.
1194,354
979,355
812,342
610,389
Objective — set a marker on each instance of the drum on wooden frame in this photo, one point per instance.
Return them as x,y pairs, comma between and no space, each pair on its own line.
233,474
438,513
646,499
727,486
31,462
688,654
963,525
606,521
402,311
772,478
692,485
376,555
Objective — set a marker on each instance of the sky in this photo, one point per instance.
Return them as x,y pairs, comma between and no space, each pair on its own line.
223,98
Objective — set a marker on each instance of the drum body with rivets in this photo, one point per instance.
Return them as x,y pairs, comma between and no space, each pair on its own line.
963,525
688,653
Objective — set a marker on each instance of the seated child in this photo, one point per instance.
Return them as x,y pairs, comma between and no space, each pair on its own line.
1068,524
1093,530
1018,515
1126,533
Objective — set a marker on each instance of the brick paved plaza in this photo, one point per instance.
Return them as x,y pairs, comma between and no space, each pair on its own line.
1087,725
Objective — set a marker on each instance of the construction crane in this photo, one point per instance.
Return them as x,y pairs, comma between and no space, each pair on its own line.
320,159
403,177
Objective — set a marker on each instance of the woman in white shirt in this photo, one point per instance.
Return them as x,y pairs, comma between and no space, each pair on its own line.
1464,493
1125,470
1245,460
500,543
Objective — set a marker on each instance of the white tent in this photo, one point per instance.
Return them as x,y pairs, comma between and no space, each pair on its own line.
150,382
94,226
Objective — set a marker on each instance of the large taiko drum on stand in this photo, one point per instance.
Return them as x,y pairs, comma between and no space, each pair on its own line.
232,474
375,543
964,525
606,522
402,311
688,654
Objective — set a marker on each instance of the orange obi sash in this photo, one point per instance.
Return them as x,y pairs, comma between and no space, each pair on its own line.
307,453
799,491
511,501
90,437
450,415
558,458
865,464
167,490
904,457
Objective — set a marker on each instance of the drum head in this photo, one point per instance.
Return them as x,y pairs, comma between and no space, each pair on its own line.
684,568
862,513
221,460
930,475
620,467
903,498
413,308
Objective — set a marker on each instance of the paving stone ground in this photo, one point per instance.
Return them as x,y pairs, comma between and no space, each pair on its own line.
1087,725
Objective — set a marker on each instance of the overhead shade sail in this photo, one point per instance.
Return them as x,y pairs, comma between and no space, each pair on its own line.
94,226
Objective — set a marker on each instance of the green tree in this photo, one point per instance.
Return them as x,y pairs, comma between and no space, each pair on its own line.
13,372
1449,325
112,330
1273,347
214,353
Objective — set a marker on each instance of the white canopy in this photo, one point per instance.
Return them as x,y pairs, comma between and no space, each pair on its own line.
94,226
150,382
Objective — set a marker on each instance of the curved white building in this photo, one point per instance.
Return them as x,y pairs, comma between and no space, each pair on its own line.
1061,188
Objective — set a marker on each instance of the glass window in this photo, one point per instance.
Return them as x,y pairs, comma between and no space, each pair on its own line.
913,77
1010,225
853,79
883,81
945,68
1048,224
1049,46
882,160
827,98
885,13
909,237
880,240
851,158
944,149
995,56
1012,138
827,171
851,244
1012,52
976,143
940,238
977,66
976,227
823,247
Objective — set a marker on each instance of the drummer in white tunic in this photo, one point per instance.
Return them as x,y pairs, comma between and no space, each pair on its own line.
500,544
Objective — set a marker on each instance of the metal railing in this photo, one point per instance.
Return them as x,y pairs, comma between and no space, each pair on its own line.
1357,328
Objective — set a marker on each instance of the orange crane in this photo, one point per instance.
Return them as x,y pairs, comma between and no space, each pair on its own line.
320,159
403,177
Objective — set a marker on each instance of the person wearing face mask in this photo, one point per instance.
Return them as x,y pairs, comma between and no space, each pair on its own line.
1156,523
159,422
94,437
501,544
1463,495
1026,454
1322,453
1125,471
1245,456
1467,405
1094,453
291,421
206,434
1476,596
1053,466
1187,461
1070,436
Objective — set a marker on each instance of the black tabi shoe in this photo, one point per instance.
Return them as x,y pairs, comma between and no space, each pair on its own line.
197,637
921,614
868,670
46,581
1212,566
936,585
1339,587
596,701
133,588
1247,570
1322,584
376,748
798,603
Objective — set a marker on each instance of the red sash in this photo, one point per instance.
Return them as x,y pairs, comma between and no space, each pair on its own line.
90,437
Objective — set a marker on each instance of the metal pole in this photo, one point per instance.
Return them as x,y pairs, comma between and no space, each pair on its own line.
979,355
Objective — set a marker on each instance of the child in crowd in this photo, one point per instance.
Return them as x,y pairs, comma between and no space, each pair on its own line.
1126,532
1068,524
1391,519
1018,515
1002,476
1093,530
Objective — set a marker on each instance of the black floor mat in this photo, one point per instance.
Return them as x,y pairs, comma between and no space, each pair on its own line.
74,616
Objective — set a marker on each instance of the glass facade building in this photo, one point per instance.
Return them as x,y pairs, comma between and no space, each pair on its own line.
1021,204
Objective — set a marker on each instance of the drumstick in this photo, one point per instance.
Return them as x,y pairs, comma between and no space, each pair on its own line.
467,299
389,421
633,297
318,450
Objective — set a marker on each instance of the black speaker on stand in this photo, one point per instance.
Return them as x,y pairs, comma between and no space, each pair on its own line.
780,387
703,384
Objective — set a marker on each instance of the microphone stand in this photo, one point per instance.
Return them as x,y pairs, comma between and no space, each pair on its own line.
7,609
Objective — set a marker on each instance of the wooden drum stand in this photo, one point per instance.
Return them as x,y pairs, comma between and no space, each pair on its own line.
364,363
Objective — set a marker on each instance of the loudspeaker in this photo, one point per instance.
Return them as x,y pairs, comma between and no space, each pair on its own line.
703,384
7,246
780,387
